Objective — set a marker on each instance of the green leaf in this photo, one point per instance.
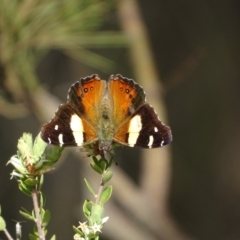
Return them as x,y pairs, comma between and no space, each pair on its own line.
41,181
46,218
110,162
87,208
17,163
33,214
89,187
54,154
42,200
103,164
96,214
35,230
30,182
2,224
77,230
42,212
27,137
96,161
25,145
24,190
38,147
106,194
96,168
33,237
107,177
26,215
53,237
25,210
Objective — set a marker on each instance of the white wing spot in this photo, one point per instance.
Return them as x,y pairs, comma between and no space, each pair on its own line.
155,129
77,129
151,139
56,127
49,140
60,139
134,128
162,142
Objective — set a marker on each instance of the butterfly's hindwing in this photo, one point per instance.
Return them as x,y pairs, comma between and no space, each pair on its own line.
58,130
67,128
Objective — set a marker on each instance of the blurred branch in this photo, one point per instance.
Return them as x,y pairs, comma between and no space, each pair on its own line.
130,225
180,74
155,176
91,59
99,39
12,110
8,235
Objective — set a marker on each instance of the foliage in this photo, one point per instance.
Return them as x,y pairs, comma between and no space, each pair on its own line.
37,26
30,29
31,162
94,211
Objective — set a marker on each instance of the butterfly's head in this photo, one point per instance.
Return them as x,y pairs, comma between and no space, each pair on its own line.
105,145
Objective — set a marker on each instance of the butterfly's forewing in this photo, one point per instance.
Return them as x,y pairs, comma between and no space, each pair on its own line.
126,97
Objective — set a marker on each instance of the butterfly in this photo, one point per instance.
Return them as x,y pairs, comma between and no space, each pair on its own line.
106,112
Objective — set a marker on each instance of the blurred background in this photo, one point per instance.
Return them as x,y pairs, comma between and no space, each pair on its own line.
186,55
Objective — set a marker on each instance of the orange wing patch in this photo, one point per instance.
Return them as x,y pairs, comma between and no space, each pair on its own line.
121,135
126,98
90,133
87,95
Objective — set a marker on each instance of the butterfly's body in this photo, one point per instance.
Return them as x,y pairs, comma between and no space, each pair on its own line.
103,112
105,126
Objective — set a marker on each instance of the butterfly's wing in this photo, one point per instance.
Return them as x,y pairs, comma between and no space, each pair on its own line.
126,97
75,122
144,129
136,122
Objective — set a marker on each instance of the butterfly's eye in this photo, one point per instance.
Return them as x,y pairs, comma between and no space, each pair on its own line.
121,88
91,88
127,91
85,90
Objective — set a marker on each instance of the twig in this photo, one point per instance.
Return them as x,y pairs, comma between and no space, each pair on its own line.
37,213
156,163
99,192
8,234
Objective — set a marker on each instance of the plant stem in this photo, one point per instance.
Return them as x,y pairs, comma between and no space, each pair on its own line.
99,192
37,214
8,234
